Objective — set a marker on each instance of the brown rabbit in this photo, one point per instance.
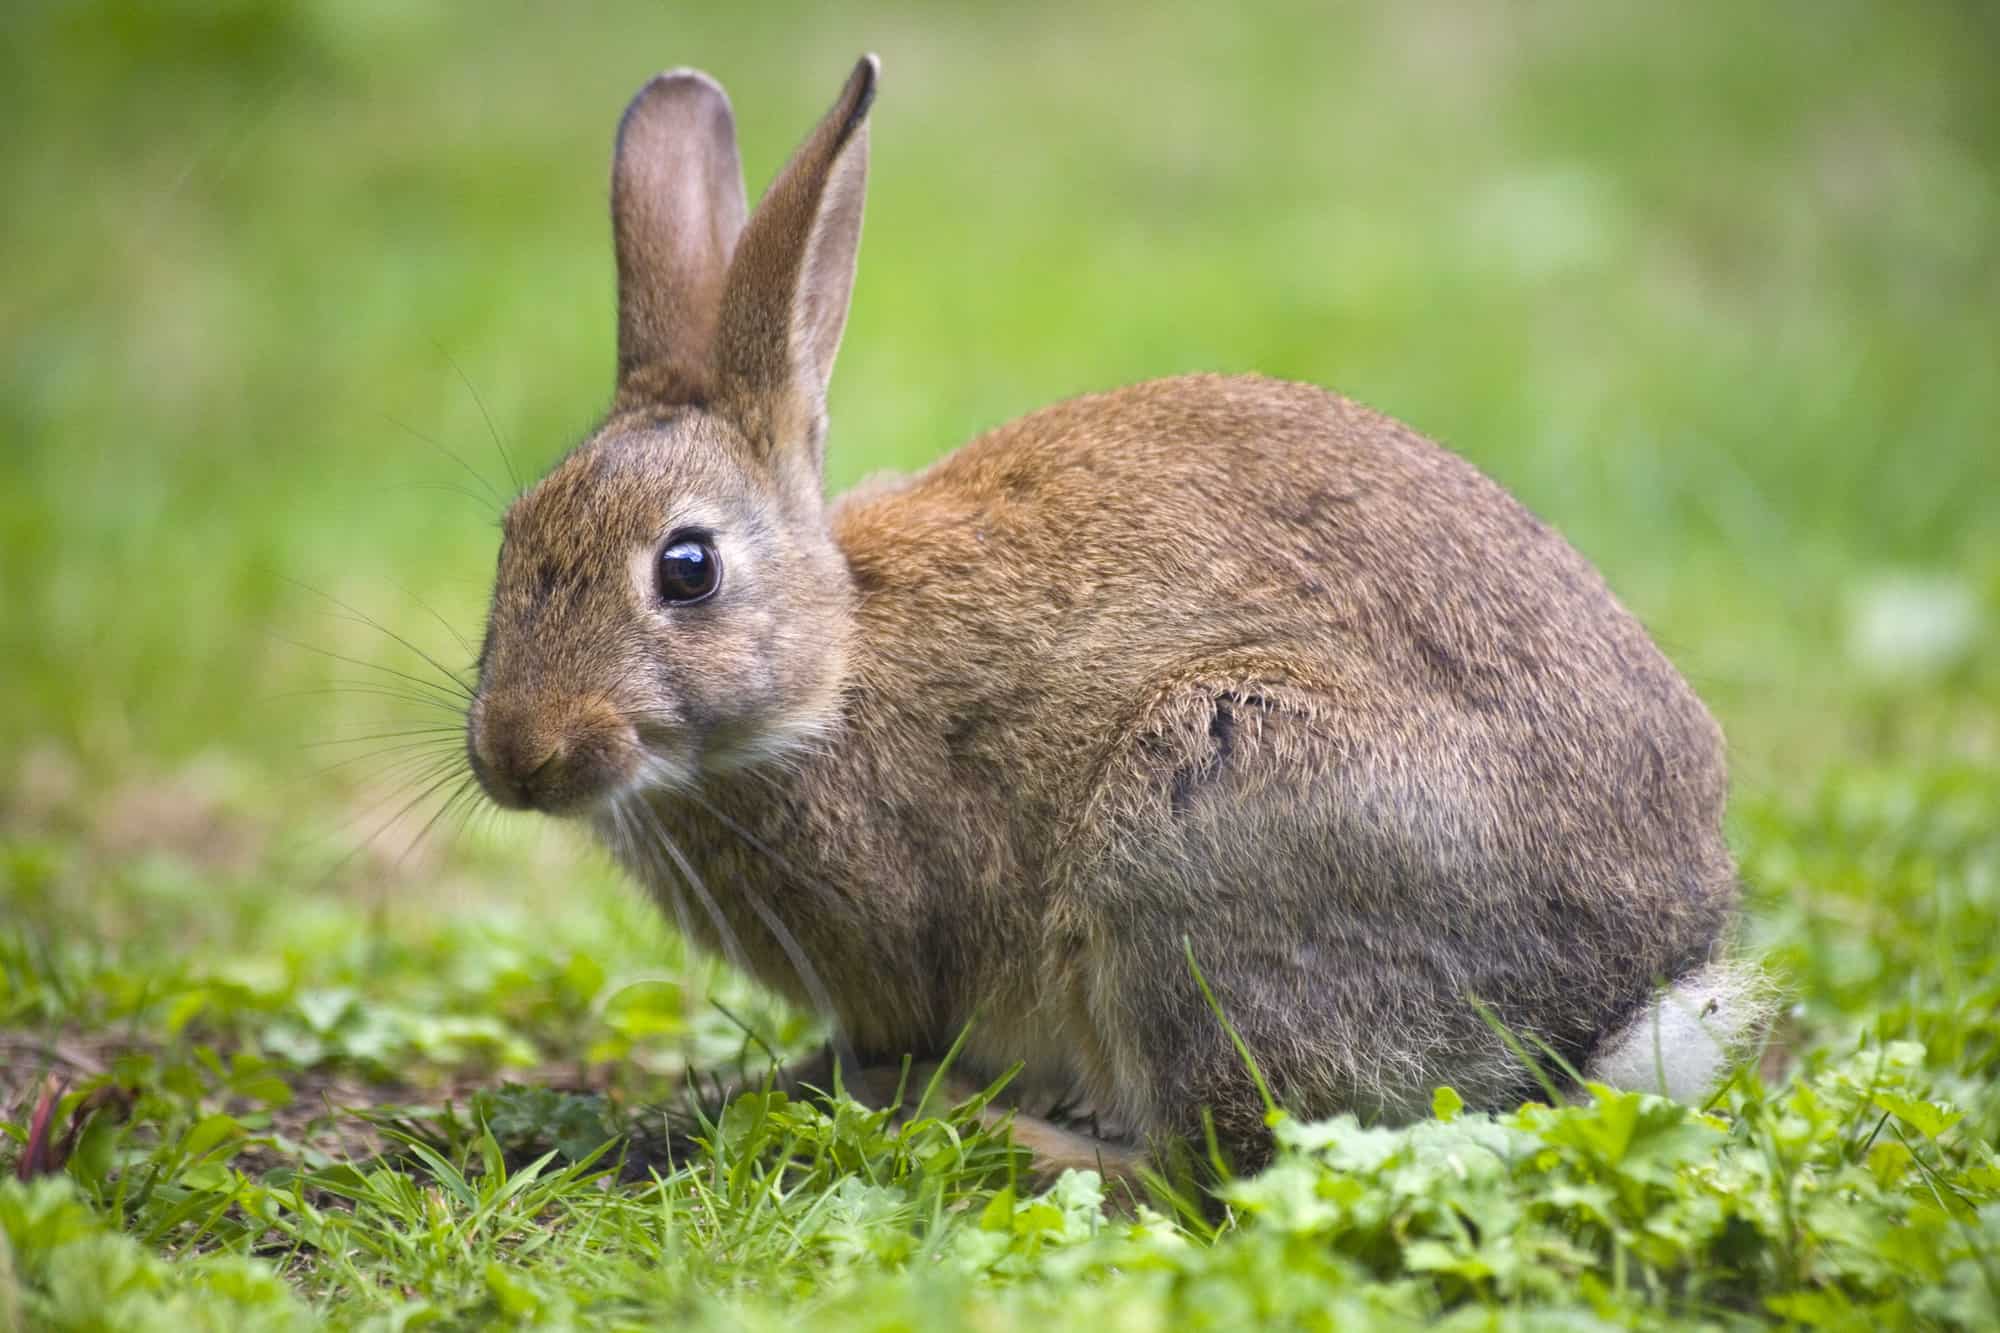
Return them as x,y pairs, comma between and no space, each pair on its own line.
1220,666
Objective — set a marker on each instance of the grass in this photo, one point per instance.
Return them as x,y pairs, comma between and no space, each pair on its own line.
1712,289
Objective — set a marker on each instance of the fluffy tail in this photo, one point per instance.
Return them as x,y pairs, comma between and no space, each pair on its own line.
1684,1042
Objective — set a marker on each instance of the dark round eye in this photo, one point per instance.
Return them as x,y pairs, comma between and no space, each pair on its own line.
689,570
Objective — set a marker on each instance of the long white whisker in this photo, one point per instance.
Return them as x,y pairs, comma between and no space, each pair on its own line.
808,974
627,822
732,947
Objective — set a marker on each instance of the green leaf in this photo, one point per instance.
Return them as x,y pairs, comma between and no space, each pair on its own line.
95,1150
1037,1219
1928,1118
646,1009
998,1215
208,1132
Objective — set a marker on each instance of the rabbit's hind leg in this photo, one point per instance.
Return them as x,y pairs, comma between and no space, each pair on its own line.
1243,821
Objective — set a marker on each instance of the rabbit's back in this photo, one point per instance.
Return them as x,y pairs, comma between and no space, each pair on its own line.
1239,661
1046,574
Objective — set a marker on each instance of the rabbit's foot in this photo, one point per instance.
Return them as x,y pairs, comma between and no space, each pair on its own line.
1058,1148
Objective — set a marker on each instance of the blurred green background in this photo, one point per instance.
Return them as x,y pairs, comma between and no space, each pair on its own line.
1712,287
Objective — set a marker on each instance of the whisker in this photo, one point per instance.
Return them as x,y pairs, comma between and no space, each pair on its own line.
456,681
665,886
415,801
461,690
756,843
770,782
467,812
400,757
428,780
491,429
413,770
493,494
365,687
732,946
438,729
484,813
808,974
464,646
458,794
453,488
458,684
627,827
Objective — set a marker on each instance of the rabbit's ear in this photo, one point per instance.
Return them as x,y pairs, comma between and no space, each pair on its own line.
785,303
677,209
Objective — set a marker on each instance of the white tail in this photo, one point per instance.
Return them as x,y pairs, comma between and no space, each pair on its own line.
1682,1044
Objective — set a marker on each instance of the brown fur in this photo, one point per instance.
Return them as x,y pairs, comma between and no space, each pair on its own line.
1225,664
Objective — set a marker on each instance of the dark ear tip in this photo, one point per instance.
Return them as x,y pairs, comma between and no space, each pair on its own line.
859,94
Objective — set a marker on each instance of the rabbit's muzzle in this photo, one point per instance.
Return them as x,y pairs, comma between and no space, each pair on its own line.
534,754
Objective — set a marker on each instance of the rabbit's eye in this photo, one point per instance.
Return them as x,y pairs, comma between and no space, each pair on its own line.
689,570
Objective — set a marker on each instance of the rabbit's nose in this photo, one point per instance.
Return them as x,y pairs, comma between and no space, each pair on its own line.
528,760
513,757
535,780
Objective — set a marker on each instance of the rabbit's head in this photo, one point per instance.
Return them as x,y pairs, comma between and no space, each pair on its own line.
669,602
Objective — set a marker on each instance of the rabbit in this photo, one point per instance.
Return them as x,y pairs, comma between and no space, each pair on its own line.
1210,681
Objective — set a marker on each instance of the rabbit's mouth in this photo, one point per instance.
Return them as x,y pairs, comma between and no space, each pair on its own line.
559,759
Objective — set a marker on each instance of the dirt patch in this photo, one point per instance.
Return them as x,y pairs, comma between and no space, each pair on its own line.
320,1121
190,814
27,1059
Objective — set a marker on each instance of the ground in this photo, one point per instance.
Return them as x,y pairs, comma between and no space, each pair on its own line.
295,294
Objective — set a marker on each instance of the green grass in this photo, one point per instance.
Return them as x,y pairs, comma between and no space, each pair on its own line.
1711,288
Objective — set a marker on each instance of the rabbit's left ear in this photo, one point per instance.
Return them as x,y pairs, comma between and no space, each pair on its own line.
676,211
784,303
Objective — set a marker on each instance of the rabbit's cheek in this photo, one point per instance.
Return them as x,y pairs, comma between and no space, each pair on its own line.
668,757
745,743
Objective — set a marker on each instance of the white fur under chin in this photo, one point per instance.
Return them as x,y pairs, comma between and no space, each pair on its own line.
1683,1044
